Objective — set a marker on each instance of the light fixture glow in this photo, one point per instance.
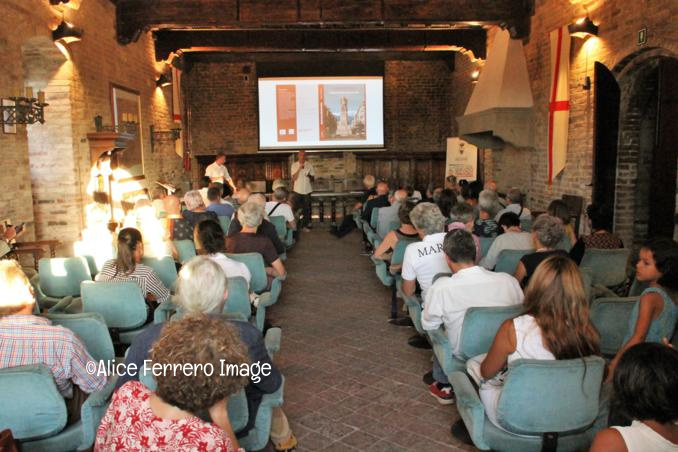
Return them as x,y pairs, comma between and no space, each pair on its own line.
583,28
64,35
163,81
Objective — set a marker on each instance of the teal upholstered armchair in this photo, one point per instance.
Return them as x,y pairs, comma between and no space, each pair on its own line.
185,250
610,316
507,261
164,267
608,267
59,278
536,413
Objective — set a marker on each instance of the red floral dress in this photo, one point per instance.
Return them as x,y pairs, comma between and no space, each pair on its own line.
130,425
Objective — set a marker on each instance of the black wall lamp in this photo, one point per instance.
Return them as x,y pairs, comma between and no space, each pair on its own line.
583,28
66,34
163,81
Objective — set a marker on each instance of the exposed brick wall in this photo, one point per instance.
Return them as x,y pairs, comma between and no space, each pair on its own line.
51,164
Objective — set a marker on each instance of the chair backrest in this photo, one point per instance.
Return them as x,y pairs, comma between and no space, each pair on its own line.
542,396
637,287
393,225
611,318
185,249
485,244
565,244
32,406
587,280
399,250
238,297
164,267
526,224
61,276
608,266
257,268
225,223
508,260
121,304
280,225
481,325
374,219
91,328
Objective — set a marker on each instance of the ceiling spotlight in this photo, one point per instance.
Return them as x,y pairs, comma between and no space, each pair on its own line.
66,34
583,28
163,81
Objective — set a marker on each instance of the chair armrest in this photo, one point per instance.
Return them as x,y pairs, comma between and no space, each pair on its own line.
470,408
272,340
92,411
442,349
276,288
275,398
163,312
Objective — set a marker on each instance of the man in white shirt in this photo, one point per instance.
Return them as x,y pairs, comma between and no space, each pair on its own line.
514,201
423,260
448,299
217,171
279,207
513,238
388,215
302,176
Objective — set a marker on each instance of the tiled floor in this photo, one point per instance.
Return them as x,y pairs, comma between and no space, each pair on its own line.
352,382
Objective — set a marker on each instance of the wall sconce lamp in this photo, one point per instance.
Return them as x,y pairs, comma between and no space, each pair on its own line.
66,34
24,109
583,28
163,81
475,75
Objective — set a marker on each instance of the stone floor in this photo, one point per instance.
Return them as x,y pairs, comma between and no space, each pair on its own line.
352,382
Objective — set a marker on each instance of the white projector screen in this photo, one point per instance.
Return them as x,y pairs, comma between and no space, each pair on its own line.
321,113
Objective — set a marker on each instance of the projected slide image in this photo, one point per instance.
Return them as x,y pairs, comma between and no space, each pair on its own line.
343,114
286,104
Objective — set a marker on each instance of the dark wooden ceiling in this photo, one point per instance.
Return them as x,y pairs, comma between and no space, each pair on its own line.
269,26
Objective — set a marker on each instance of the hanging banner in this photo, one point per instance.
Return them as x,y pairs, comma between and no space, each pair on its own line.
559,102
462,160
177,110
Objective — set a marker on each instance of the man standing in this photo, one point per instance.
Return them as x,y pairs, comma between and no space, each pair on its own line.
217,171
302,176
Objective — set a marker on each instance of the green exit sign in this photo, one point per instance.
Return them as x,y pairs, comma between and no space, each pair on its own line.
642,36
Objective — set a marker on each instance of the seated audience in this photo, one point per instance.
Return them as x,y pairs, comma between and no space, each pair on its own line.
461,217
558,208
446,200
448,299
222,209
28,339
266,227
159,194
195,209
389,214
381,200
451,183
279,207
646,391
348,223
241,197
555,324
423,260
369,190
203,185
470,193
167,418
484,225
514,201
490,199
513,238
547,232
405,231
203,288
600,221
654,316
127,266
248,240
210,240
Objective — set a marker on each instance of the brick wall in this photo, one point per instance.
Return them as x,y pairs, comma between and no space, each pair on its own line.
51,164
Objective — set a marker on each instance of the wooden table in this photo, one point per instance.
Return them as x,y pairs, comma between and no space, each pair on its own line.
320,197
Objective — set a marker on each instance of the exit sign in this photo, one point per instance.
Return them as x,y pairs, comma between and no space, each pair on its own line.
642,36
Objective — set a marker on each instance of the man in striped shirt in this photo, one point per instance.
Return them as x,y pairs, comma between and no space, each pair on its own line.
27,339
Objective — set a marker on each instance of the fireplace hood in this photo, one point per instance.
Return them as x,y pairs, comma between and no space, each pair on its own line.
500,109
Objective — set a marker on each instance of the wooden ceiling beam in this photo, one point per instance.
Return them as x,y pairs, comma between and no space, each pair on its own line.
135,16
319,41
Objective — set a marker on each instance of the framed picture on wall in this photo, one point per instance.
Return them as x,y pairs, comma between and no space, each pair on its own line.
7,128
126,113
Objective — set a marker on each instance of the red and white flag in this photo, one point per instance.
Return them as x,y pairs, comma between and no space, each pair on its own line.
177,110
559,102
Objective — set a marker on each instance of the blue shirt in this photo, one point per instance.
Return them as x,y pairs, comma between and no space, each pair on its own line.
660,327
222,210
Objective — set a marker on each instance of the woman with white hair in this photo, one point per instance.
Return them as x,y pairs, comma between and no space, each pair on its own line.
247,240
485,226
266,227
547,232
202,287
195,209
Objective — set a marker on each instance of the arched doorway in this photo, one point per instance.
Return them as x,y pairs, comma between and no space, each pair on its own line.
645,199
607,94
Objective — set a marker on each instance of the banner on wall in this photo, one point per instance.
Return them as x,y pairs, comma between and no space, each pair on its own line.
559,102
462,160
177,110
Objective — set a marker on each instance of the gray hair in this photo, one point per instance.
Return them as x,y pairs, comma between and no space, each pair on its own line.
487,200
369,180
193,200
280,194
250,214
258,198
201,286
400,195
461,212
279,183
427,217
515,196
549,230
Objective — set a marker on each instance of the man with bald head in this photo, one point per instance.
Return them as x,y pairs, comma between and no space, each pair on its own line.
388,215
381,200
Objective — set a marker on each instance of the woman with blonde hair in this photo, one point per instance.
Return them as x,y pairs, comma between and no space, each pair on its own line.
555,324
